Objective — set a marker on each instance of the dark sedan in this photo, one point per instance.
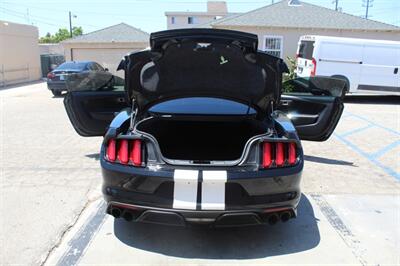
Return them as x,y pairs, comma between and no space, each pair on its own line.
204,130
56,79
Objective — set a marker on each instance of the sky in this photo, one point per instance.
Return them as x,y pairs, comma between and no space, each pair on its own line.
148,15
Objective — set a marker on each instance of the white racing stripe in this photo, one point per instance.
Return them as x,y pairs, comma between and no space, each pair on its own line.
213,190
185,189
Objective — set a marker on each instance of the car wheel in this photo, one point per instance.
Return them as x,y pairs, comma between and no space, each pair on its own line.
56,93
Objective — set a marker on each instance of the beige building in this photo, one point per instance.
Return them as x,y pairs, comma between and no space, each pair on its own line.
19,53
280,25
215,10
106,46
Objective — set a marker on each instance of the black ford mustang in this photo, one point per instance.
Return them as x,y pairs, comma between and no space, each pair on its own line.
203,130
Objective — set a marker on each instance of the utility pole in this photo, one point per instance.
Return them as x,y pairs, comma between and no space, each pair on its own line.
27,16
70,24
336,2
367,4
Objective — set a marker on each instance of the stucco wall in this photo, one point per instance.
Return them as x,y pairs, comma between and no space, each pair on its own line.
19,53
291,36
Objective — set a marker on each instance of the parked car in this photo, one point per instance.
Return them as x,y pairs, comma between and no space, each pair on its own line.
202,132
365,64
94,72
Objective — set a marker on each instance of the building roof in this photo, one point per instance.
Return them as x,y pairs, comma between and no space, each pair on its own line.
211,22
120,33
296,14
194,13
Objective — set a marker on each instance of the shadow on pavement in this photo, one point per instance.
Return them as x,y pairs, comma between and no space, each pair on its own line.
372,99
62,95
95,156
296,235
21,84
323,160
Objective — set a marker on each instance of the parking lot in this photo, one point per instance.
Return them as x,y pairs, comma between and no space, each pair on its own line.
52,211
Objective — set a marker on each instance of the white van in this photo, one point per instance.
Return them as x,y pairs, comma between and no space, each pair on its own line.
364,64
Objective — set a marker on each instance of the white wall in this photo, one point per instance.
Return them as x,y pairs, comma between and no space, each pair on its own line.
19,53
181,20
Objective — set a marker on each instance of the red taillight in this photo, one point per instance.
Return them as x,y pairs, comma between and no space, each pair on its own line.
126,151
123,151
285,154
314,62
111,150
267,155
50,75
279,154
292,153
136,152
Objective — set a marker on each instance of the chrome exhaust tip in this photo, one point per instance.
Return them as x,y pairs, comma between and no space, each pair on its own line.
116,212
285,216
273,218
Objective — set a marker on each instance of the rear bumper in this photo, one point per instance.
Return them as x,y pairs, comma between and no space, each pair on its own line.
251,197
57,85
232,218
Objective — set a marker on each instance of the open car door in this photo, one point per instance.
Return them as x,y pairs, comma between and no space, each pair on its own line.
92,102
314,105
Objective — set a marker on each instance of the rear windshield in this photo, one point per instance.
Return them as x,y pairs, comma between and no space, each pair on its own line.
72,66
202,106
306,49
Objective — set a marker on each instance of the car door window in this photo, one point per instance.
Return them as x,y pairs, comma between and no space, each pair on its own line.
315,86
314,105
99,67
89,81
93,67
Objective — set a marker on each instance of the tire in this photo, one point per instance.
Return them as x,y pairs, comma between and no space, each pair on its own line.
56,93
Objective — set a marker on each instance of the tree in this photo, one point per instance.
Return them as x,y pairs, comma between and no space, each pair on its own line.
61,35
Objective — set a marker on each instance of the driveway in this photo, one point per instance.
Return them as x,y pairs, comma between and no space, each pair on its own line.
51,210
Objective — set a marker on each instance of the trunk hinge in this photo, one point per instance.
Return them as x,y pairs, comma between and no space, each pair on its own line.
134,112
272,110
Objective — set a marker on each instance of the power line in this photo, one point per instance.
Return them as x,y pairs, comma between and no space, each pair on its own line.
143,16
23,15
42,20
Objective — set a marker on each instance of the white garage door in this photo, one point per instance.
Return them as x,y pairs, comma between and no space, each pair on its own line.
108,58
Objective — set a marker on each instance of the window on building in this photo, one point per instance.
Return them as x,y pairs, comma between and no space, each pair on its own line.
172,20
191,20
273,45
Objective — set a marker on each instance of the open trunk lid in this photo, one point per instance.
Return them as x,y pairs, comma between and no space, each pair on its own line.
203,62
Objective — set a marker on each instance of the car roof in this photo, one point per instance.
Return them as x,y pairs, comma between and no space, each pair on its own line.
80,62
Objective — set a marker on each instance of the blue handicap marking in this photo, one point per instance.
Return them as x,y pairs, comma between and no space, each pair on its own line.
357,130
376,155
385,149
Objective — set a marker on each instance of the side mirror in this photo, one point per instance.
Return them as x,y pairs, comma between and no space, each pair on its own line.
106,69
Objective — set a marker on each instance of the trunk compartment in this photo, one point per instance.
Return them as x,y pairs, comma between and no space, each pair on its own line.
202,141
